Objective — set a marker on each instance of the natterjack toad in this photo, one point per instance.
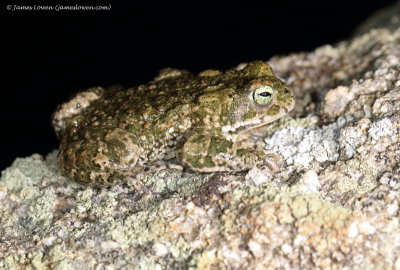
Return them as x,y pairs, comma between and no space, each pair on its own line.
202,121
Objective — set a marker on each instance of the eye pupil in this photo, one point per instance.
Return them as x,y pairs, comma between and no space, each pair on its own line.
265,94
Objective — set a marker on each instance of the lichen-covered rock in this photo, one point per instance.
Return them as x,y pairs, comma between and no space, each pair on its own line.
334,204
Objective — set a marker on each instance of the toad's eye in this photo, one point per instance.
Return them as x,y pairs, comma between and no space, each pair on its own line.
262,95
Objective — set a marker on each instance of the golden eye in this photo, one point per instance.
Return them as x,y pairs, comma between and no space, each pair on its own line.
262,95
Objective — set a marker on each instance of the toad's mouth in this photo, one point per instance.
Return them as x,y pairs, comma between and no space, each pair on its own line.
249,124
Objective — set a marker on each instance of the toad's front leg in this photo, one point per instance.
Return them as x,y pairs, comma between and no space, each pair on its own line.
210,153
102,155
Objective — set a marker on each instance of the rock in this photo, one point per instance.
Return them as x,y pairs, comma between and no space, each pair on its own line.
334,204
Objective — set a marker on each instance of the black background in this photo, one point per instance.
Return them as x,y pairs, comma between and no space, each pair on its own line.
48,55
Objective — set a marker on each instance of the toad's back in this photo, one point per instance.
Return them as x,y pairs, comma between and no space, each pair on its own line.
147,104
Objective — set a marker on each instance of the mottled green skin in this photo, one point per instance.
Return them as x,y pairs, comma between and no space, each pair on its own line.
107,135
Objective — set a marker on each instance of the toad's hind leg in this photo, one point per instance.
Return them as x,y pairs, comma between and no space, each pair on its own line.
104,156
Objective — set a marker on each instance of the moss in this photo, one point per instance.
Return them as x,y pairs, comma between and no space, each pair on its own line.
41,208
208,259
286,121
25,172
175,182
37,261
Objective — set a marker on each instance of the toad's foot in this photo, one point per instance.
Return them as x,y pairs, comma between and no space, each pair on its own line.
272,161
209,153
154,168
